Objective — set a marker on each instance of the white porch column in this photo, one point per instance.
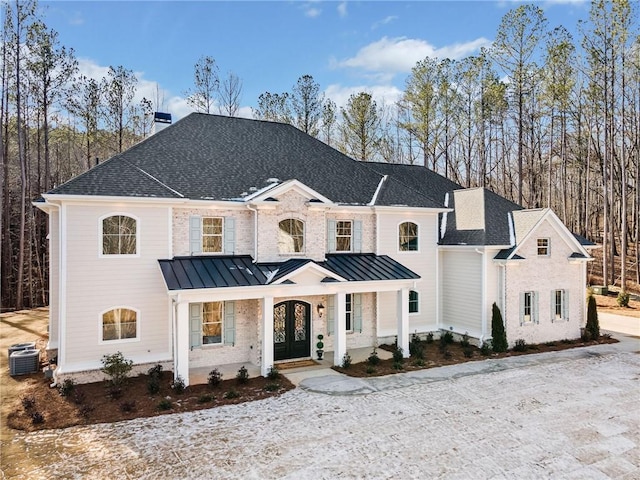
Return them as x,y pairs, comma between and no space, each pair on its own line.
403,321
267,336
181,353
340,336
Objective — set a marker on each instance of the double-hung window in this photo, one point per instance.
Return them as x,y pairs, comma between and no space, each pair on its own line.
212,315
344,232
543,247
349,312
559,305
212,234
528,307
414,304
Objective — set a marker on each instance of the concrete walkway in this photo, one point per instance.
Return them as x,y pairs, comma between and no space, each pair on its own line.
330,382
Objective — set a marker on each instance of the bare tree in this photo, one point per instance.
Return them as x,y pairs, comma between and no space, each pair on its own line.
230,95
206,82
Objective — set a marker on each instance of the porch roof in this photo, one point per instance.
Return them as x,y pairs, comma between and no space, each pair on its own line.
197,272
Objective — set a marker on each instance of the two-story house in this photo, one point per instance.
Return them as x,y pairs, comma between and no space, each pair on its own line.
222,240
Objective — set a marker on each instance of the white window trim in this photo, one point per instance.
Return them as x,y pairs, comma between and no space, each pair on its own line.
563,305
348,330
397,235
100,240
101,340
344,236
202,323
548,247
417,312
202,235
531,320
304,237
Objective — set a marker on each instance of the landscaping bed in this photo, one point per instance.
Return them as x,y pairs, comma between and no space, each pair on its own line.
42,407
434,355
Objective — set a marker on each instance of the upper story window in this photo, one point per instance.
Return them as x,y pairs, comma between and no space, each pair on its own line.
543,247
119,235
344,232
291,236
408,237
414,304
119,324
212,228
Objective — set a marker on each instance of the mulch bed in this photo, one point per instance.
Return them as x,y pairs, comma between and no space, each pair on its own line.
433,357
92,403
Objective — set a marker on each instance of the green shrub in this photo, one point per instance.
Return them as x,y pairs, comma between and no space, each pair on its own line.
243,375
485,348
28,402
398,365
273,373
117,368
623,299
215,378
231,394
128,406
498,334
429,337
271,387
37,418
153,385
370,369
467,351
165,404
346,361
178,385
206,398
373,358
67,387
520,346
418,362
398,355
464,342
593,325
447,337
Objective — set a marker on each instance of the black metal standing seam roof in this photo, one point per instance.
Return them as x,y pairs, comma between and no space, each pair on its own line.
187,273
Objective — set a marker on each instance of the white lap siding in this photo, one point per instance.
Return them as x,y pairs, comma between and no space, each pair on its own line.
462,303
98,283
54,279
423,262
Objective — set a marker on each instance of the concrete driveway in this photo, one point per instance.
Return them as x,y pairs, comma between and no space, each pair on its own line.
573,416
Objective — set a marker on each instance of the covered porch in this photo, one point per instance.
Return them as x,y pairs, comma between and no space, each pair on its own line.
276,312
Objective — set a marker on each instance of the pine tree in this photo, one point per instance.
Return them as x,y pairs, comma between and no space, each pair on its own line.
593,325
499,342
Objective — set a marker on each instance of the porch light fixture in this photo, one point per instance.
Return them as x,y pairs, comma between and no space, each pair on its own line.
320,308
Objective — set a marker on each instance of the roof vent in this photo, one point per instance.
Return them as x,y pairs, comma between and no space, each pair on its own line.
244,194
253,189
272,180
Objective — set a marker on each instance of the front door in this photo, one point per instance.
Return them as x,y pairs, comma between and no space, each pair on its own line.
291,327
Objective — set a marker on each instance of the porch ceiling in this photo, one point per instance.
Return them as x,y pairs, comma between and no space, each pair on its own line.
189,273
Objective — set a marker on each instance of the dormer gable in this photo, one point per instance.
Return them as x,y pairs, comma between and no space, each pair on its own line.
276,191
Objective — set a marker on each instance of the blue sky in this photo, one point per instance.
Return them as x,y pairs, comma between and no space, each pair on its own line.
346,46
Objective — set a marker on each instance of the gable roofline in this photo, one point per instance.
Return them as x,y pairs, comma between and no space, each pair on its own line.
276,189
305,266
569,238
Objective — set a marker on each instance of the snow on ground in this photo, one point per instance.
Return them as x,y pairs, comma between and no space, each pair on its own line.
573,419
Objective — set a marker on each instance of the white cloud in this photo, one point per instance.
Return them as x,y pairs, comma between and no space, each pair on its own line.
399,55
384,21
342,9
76,19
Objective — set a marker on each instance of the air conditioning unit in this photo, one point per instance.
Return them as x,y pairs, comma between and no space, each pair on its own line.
23,362
16,347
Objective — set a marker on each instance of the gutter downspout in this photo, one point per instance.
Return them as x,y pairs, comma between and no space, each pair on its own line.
255,232
483,317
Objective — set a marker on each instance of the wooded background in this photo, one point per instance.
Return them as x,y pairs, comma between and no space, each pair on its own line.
541,118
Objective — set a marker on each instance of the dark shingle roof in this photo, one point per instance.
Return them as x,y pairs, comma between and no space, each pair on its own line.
186,273
489,214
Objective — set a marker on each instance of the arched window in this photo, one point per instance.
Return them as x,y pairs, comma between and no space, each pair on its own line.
408,237
119,235
119,324
291,236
